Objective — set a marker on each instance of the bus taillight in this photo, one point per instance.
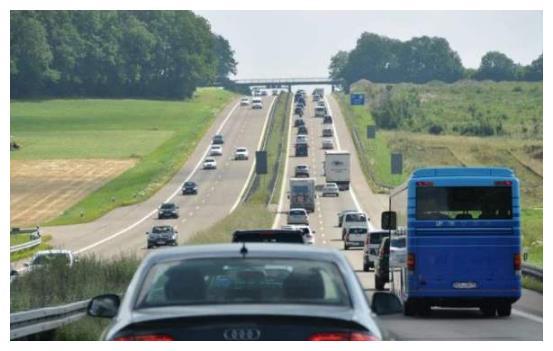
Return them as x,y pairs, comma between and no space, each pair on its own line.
503,183
517,262
411,261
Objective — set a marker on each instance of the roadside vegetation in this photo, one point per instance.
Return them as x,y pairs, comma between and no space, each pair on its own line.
452,109
159,135
28,253
254,211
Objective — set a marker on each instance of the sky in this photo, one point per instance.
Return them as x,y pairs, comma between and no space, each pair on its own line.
275,44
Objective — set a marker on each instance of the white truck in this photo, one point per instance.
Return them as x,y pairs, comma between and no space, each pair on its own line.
337,168
302,193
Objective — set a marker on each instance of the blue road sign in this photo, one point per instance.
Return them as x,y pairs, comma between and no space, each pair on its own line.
357,99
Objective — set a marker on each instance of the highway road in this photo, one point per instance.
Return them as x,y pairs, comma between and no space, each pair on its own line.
444,324
122,230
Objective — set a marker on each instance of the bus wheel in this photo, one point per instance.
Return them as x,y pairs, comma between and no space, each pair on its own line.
424,309
410,308
488,310
504,309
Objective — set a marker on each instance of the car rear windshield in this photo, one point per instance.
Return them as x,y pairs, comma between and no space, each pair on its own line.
167,206
467,203
355,217
398,242
376,237
52,259
242,281
297,213
269,237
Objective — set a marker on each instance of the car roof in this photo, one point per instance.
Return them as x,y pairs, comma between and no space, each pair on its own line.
53,252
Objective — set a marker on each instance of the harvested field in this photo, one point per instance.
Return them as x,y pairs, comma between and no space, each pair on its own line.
43,189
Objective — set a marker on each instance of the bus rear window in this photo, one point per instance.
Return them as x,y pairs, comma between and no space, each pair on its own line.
464,203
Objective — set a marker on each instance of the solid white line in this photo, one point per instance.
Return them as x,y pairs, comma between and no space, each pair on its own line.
285,174
126,229
253,163
529,316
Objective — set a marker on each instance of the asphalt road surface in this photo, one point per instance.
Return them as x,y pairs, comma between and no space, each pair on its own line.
122,230
443,324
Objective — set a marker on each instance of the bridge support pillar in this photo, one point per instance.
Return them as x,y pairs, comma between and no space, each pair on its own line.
332,88
289,88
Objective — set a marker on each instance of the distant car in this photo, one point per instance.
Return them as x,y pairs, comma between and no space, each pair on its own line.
161,235
355,236
216,150
45,258
210,163
257,106
241,153
327,119
328,144
308,233
354,219
299,122
302,130
168,210
244,101
264,93
370,249
290,236
382,265
297,216
328,132
398,251
298,110
189,188
341,216
330,189
243,292
275,92
320,103
301,171
301,139
218,139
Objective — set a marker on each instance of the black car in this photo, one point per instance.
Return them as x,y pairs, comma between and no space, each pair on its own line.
302,130
299,122
301,150
298,111
268,236
168,210
327,119
382,265
189,188
162,235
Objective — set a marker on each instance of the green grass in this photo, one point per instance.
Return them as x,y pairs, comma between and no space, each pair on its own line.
254,213
162,134
532,284
27,253
17,239
532,235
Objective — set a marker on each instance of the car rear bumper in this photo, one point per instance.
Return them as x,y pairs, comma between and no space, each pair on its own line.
462,302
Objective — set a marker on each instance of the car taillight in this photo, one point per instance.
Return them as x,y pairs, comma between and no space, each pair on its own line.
425,183
517,262
411,261
145,337
343,336
503,183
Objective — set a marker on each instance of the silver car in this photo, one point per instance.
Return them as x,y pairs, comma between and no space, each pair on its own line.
328,144
297,216
330,189
244,292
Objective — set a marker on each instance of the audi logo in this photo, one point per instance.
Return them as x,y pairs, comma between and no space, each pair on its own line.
242,334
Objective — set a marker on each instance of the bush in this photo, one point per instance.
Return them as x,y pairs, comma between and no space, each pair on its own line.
435,129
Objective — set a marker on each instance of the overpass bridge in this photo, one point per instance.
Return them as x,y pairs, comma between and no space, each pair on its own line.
289,82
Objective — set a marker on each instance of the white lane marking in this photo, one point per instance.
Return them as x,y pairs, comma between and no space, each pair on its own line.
253,163
529,316
324,241
197,207
285,174
353,197
126,229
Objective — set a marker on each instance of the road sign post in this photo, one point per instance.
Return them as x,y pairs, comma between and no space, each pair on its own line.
371,132
261,162
357,99
397,163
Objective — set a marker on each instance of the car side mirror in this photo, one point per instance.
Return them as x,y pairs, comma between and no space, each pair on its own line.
388,220
104,306
384,303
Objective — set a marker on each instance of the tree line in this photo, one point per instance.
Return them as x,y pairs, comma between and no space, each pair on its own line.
153,54
420,60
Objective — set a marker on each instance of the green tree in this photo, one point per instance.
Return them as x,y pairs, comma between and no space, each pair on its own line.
226,64
534,72
337,65
496,66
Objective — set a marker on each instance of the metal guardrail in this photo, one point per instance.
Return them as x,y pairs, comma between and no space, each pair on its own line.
26,245
532,271
36,321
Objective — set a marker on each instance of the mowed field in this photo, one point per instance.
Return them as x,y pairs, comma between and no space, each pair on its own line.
516,148
88,156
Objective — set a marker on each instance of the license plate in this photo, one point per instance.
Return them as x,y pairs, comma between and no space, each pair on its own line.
161,242
465,285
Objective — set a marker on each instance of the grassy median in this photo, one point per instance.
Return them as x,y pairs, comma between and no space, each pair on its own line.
159,134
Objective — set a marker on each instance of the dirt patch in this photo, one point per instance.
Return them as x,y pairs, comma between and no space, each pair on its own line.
42,189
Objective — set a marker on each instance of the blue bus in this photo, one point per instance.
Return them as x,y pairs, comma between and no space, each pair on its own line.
463,239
